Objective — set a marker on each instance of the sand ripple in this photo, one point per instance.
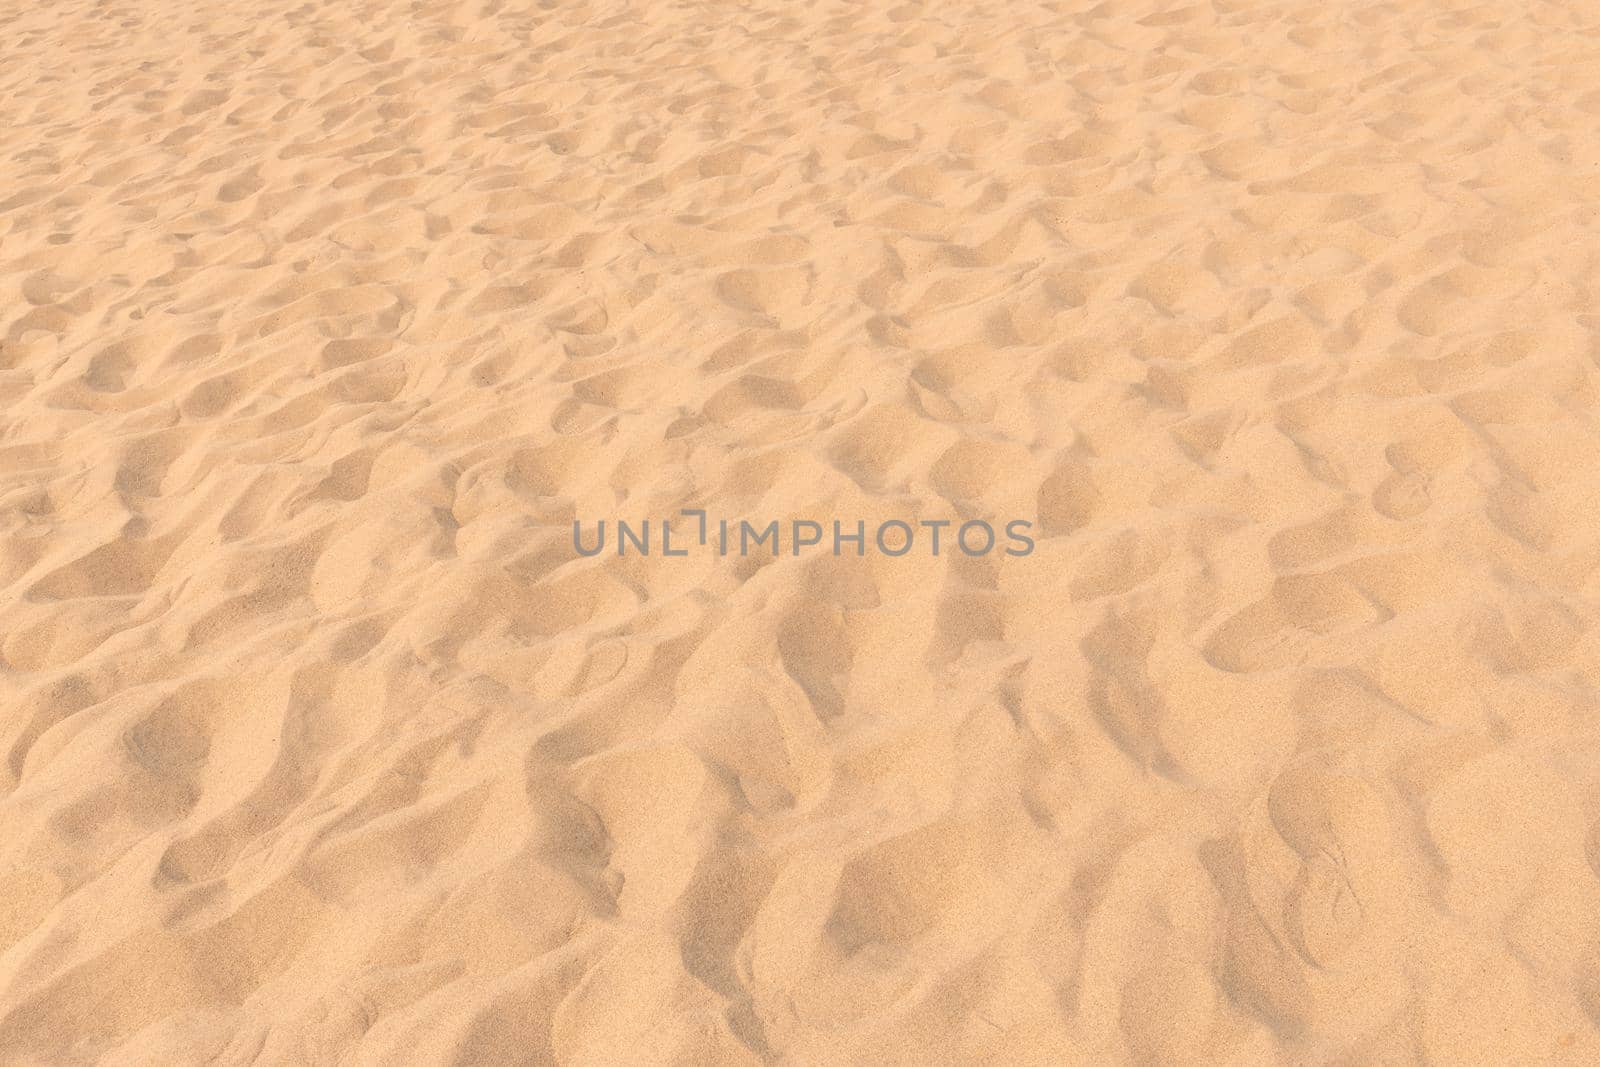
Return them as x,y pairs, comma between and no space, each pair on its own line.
321,323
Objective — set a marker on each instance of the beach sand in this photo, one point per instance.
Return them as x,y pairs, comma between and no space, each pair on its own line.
321,324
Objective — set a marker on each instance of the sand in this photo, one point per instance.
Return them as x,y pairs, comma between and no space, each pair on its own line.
321,324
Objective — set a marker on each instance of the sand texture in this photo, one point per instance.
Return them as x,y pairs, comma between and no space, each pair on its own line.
322,322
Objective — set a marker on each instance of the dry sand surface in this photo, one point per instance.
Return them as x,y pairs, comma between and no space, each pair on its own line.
321,323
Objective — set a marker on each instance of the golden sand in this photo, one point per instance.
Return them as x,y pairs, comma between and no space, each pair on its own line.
321,323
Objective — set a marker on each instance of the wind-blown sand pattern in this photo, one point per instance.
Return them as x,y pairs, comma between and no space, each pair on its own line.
321,322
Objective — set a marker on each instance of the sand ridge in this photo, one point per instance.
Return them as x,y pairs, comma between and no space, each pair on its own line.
320,325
